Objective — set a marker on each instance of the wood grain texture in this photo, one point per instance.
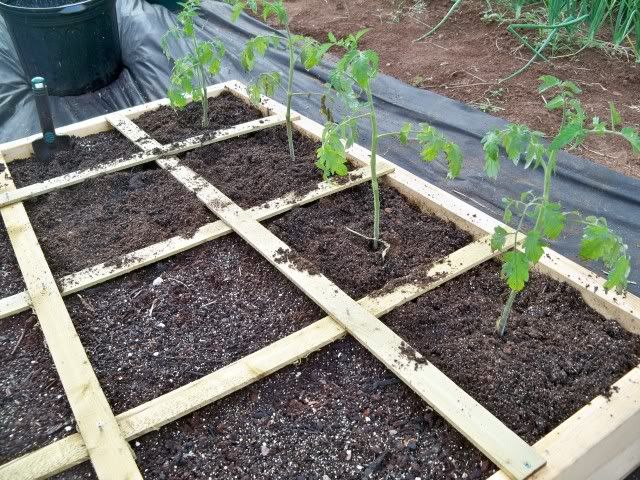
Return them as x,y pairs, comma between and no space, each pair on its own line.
111,455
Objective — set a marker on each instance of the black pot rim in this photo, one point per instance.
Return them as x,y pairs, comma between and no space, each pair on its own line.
36,10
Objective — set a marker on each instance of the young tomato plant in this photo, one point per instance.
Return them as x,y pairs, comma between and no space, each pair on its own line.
351,83
311,53
191,72
548,218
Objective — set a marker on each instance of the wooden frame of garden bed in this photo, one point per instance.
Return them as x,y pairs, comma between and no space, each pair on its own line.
599,441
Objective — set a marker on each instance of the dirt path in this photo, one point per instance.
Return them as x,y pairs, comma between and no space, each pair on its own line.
466,57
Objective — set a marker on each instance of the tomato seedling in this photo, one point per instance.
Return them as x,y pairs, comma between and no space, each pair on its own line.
523,145
311,53
190,73
351,82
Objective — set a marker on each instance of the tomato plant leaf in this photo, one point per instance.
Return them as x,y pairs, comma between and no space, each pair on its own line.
331,155
533,246
632,137
619,274
516,269
548,82
404,133
566,135
555,103
498,239
616,119
491,146
553,220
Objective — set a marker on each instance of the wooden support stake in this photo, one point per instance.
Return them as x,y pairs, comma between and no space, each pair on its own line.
110,454
152,415
129,262
477,424
73,178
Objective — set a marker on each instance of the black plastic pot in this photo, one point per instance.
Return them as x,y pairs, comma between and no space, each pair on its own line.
76,47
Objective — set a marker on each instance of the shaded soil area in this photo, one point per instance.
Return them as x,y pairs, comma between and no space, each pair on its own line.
168,125
318,232
257,168
33,408
84,153
465,59
558,354
103,218
10,277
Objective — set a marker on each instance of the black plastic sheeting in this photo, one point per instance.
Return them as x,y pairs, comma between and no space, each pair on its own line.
579,184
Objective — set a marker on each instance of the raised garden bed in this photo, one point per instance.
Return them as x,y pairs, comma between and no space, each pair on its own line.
195,318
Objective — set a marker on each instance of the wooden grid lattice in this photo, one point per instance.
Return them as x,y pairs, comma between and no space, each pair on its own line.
103,437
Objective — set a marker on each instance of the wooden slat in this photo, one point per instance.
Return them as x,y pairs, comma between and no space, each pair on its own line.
73,178
103,272
110,453
160,411
21,148
485,431
623,308
597,441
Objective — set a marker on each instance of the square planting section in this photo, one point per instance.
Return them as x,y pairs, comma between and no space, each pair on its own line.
209,280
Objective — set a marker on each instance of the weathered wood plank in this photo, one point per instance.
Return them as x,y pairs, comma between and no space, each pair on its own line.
111,455
160,411
73,178
106,271
598,441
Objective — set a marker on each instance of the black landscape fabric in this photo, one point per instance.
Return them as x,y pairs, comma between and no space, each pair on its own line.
579,184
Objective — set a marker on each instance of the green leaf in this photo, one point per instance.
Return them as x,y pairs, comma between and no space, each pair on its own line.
491,146
248,57
566,135
619,274
454,159
364,67
332,37
312,52
515,139
533,246
177,98
555,103
331,155
405,131
569,86
616,119
547,82
516,269
498,239
236,10
632,137
552,220
508,215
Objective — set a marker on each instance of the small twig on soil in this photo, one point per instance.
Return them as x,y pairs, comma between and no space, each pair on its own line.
24,331
153,305
461,85
474,76
387,246
177,281
86,304
599,153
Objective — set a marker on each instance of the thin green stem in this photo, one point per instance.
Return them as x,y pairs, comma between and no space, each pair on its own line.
292,62
203,85
374,175
501,324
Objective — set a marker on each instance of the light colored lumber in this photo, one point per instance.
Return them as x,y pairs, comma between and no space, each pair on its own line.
103,272
598,441
21,148
73,178
111,455
623,308
160,411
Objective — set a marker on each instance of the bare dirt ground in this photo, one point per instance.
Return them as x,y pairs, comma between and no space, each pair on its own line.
465,59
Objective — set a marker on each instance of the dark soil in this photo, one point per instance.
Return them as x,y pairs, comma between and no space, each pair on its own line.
557,355
10,277
168,125
212,305
84,153
257,168
465,59
103,218
318,232
33,407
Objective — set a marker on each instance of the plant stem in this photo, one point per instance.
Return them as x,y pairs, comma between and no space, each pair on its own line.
203,85
501,324
374,175
292,61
